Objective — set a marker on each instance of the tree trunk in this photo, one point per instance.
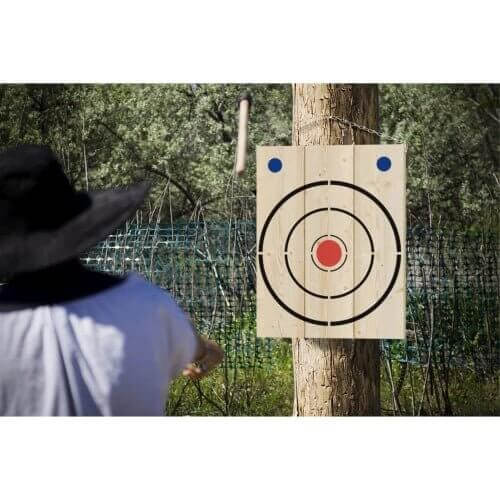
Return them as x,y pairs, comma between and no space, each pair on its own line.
335,377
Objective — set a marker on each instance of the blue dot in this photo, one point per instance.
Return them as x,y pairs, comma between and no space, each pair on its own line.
274,165
384,163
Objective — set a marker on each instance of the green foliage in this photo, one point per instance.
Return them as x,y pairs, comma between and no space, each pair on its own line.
453,150
111,135
469,394
268,391
257,391
117,134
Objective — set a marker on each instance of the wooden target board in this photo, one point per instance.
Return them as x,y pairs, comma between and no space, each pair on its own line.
331,241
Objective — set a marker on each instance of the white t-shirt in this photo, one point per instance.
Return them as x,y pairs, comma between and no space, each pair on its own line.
111,353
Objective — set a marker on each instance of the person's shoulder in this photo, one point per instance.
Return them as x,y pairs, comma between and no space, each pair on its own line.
138,294
158,301
138,286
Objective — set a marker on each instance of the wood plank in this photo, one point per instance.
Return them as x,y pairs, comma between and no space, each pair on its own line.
284,309
387,320
273,319
326,223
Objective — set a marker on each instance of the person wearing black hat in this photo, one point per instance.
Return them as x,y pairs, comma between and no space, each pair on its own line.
75,341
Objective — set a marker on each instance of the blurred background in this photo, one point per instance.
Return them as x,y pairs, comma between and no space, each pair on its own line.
195,235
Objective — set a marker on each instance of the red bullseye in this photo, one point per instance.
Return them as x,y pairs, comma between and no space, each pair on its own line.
328,253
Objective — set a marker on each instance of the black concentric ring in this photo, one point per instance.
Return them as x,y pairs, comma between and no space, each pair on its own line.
396,238
340,295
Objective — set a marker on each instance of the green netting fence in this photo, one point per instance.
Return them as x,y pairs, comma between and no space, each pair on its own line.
209,267
210,270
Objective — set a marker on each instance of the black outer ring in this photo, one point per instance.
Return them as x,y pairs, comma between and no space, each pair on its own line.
263,235
328,270
340,295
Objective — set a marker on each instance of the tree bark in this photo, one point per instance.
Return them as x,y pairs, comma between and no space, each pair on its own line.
335,377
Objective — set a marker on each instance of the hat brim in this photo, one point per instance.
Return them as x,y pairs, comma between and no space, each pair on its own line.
106,211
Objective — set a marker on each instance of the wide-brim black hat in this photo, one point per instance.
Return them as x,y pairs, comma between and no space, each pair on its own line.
43,220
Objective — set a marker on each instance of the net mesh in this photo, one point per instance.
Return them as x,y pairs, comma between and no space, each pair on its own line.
209,267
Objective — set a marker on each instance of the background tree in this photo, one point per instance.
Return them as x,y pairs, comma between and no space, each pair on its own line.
110,135
182,137
452,132
335,376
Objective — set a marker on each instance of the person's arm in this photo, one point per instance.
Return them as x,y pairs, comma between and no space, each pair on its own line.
208,355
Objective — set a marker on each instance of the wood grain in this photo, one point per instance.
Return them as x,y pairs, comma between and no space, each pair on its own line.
327,163
388,319
335,376
272,319
370,243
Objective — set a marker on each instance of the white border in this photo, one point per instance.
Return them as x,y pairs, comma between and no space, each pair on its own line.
249,458
259,41
95,41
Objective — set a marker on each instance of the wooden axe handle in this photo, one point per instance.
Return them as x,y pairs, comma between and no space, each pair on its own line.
241,152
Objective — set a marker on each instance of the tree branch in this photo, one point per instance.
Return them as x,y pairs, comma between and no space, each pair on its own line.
153,170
